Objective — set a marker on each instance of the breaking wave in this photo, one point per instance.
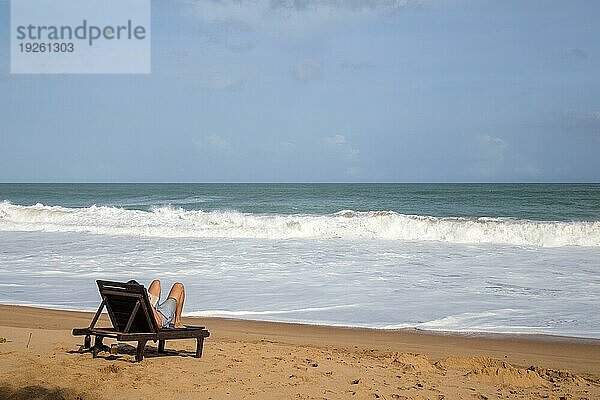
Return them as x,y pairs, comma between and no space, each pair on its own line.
169,221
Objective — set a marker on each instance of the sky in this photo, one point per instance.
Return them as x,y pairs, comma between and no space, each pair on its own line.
323,91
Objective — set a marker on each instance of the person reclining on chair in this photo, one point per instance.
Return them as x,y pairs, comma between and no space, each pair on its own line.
168,312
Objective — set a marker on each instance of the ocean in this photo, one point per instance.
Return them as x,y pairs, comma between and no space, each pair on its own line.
512,258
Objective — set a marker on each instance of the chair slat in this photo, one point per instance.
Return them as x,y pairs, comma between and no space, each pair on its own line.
121,300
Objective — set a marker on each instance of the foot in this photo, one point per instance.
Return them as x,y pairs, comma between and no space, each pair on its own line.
179,325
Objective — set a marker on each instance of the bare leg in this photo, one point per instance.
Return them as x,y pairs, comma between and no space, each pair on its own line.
178,293
154,289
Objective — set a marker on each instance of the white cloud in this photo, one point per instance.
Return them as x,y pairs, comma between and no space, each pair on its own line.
291,14
232,34
339,145
489,152
335,140
345,156
494,161
213,143
220,81
593,116
356,65
492,148
340,5
307,70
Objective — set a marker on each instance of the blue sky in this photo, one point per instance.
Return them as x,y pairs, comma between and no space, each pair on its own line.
323,91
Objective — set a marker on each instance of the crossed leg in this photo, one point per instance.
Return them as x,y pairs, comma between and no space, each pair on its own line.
177,292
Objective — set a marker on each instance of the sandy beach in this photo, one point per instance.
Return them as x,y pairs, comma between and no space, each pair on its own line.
264,360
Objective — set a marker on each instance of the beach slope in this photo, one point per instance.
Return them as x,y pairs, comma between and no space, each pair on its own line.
261,360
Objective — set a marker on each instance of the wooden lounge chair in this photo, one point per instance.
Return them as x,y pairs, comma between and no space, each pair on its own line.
131,315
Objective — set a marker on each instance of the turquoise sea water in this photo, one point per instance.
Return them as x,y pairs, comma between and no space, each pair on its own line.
561,202
456,257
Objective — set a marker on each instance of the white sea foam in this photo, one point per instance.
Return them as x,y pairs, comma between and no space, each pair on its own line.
248,313
516,321
170,222
365,283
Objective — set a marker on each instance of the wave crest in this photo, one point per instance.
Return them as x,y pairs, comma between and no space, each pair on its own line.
347,224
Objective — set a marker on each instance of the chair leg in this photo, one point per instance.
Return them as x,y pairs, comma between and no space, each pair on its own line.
87,342
98,346
199,345
161,346
139,354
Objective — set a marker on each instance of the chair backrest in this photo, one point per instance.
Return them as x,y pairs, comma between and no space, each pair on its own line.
128,307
